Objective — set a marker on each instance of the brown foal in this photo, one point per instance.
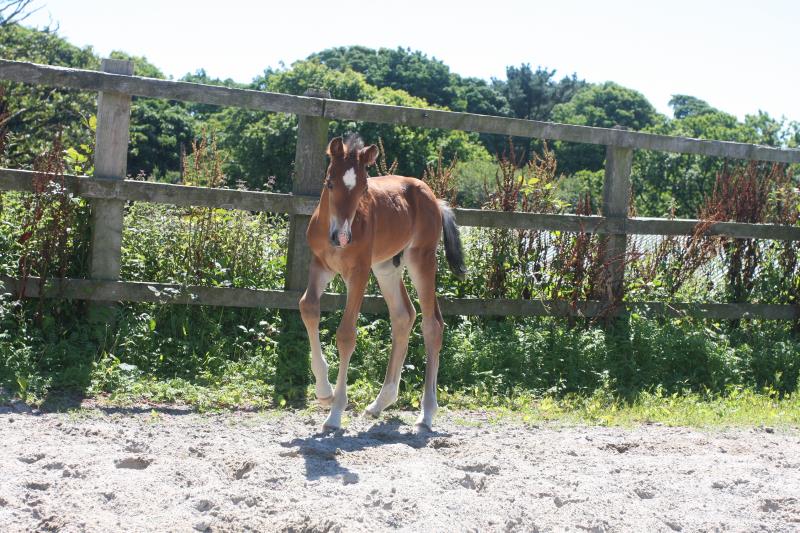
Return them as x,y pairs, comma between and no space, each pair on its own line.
381,224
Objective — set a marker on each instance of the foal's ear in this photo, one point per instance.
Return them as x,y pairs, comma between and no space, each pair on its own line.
368,155
336,148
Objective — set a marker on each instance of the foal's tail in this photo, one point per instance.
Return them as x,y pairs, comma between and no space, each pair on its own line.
452,242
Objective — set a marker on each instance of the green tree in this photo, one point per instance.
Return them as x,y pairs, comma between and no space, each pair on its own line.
400,68
532,94
203,113
605,105
160,129
160,132
684,106
423,77
261,145
475,95
418,75
39,112
666,182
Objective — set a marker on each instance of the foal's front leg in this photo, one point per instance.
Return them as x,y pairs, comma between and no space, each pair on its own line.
356,282
318,279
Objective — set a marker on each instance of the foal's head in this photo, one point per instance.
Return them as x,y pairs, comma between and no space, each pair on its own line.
346,181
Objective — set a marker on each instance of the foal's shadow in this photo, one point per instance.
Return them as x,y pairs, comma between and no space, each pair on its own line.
322,450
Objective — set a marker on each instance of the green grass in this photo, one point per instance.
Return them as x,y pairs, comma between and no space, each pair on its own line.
681,370
735,407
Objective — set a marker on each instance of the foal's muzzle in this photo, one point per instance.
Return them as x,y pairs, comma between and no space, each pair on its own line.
342,235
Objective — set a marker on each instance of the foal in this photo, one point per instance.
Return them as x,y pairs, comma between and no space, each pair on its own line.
382,224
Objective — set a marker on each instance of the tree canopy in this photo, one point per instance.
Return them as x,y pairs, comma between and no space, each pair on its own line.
258,147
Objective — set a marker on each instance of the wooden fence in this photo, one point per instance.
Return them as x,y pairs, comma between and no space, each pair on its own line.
108,189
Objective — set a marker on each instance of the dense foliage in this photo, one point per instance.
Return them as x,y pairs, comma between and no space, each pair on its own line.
63,345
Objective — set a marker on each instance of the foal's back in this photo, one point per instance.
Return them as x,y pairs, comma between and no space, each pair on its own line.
405,214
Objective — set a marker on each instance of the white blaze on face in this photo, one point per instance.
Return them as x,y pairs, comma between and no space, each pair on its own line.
349,178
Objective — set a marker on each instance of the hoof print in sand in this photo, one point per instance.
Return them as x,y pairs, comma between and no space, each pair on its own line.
30,459
202,526
35,485
644,494
482,468
620,447
442,442
242,470
790,505
476,483
133,463
203,505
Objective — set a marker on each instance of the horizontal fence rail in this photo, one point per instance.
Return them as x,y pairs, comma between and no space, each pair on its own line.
145,292
92,80
450,120
185,195
366,112
108,191
165,193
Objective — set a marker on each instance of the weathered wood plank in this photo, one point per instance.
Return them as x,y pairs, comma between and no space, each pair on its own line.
536,221
719,311
153,88
616,201
127,291
183,195
431,118
165,193
360,111
309,170
630,226
736,230
110,163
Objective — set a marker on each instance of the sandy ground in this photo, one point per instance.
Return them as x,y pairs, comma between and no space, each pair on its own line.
173,470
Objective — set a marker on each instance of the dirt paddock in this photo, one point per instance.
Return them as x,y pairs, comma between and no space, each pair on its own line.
174,470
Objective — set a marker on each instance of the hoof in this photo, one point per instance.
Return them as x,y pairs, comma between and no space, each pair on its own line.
325,402
333,422
371,412
422,427
424,422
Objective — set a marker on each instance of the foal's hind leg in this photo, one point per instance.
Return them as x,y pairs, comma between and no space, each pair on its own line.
422,268
402,315
318,279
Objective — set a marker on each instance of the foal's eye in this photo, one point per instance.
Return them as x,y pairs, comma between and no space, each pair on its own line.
329,183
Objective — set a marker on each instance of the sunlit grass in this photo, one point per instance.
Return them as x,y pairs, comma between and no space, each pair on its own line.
737,407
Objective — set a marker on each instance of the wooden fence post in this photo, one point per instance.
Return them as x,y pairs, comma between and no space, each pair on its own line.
616,202
292,366
309,171
110,162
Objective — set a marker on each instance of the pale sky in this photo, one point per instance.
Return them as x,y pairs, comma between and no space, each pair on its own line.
740,56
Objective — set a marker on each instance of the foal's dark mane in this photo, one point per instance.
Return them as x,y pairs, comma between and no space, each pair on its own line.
352,144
